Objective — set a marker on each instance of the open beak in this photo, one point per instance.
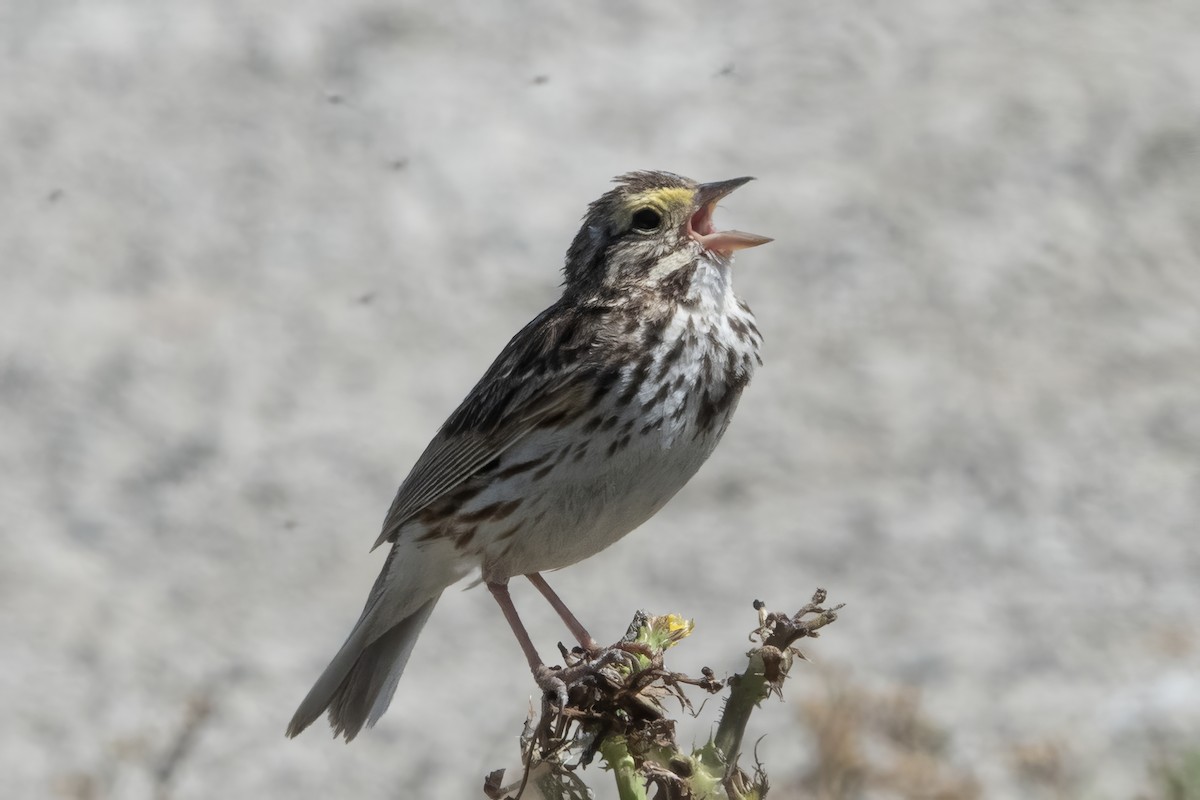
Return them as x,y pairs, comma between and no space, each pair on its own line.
701,228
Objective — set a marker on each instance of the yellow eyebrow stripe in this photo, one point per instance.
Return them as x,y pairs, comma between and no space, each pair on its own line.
664,198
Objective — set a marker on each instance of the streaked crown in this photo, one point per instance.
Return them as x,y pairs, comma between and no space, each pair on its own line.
630,228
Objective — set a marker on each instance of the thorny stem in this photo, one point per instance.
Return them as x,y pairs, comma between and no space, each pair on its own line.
615,752
616,710
748,691
769,665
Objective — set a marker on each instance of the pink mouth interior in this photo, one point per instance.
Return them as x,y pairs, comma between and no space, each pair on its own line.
701,223
701,228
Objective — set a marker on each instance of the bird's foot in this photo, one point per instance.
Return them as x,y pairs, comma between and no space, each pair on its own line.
555,682
592,652
550,681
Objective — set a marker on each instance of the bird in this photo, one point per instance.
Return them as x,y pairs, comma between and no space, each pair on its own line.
591,418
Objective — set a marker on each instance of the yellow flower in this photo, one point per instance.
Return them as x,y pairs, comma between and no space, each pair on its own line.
666,631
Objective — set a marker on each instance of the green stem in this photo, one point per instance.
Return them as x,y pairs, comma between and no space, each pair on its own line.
749,690
615,753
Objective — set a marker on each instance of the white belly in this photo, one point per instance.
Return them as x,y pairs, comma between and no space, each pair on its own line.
583,507
634,462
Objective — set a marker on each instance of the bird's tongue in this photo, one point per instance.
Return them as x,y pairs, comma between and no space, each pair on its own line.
701,228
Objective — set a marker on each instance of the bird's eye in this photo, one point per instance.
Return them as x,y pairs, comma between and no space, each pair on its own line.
646,219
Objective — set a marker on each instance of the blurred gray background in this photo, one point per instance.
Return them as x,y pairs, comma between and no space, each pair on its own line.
253,254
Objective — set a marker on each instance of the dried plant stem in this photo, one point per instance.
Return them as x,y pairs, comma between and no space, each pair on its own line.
618,709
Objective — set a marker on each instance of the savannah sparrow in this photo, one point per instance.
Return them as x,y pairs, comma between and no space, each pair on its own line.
594,416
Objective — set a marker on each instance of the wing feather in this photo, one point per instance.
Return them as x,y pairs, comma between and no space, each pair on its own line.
537,376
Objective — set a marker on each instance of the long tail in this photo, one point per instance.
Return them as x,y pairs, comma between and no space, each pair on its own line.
358,684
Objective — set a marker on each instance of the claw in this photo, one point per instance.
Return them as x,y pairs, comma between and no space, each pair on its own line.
606,657
555,683
551,684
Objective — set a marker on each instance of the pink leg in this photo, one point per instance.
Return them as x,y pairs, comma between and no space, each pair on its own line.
553,682
577,630
504,599
548,680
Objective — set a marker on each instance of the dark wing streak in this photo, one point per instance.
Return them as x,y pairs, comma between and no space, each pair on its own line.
437,477
457,459
518,391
